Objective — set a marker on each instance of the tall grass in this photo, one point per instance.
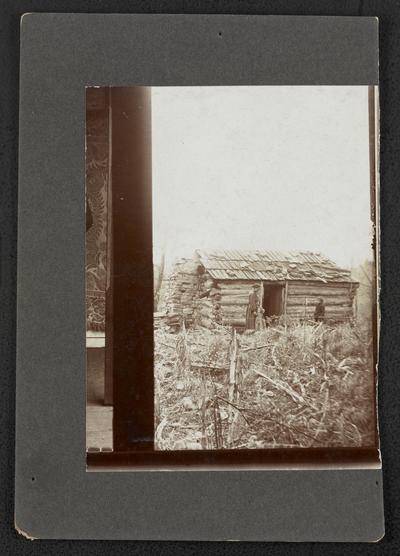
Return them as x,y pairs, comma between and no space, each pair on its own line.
301,386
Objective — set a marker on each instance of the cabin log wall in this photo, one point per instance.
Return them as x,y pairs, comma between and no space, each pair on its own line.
303,297
227,303
234,301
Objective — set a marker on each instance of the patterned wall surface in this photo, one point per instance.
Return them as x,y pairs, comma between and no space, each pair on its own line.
97,180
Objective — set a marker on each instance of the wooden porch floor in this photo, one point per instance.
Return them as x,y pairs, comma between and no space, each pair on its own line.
98,416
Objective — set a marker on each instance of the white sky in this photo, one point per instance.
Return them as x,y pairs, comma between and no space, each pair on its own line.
283,168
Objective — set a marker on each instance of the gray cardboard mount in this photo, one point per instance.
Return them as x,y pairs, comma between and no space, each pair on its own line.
55,496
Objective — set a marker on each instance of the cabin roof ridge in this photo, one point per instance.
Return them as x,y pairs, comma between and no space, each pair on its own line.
271,265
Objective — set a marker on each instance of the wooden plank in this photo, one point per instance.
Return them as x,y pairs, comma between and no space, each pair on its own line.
317,289
99,427
234,302
97,341
244,293
236,285
311,308
234,309
234,322
331,302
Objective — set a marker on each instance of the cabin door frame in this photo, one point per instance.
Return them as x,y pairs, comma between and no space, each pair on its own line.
278,290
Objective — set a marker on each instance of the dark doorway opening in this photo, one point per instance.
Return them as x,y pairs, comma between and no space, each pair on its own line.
273,299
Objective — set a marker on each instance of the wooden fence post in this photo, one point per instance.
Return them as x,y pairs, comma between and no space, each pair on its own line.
285,303
305,320
233,393
182,363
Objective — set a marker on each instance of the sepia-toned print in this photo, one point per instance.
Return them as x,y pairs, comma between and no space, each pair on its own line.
231,273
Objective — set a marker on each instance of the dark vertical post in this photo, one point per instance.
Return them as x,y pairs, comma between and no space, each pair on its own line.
133,426
285,296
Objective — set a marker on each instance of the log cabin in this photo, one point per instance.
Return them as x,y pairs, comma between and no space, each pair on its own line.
214,287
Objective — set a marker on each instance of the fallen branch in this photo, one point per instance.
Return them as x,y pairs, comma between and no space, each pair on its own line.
257,347
263,416
158,435
209,366
293,429
294,395
166,345
236,407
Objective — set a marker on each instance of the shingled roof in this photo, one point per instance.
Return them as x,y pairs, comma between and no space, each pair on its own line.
272,265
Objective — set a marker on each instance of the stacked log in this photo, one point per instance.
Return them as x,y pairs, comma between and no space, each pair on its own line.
159,319
178,293
208,308
234,301
205,315
184,295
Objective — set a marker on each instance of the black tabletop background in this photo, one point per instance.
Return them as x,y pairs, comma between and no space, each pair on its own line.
388,12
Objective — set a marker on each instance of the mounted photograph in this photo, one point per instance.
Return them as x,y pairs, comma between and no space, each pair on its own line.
199,343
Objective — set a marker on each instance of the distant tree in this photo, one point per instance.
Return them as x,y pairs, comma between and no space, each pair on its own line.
365,275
